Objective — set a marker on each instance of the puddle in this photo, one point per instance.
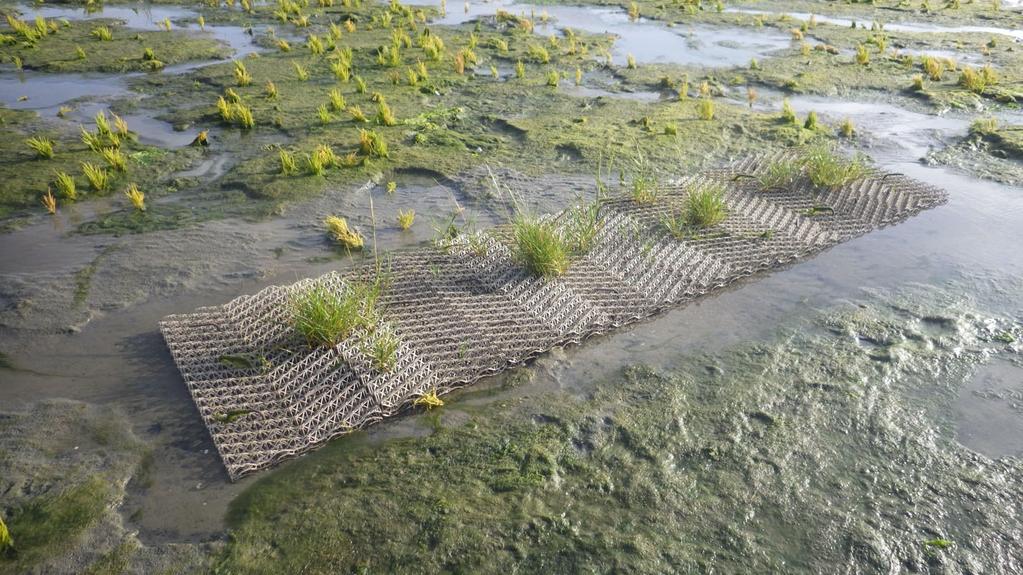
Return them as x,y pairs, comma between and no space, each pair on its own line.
149,17
913,28
85,93
648,41
990,411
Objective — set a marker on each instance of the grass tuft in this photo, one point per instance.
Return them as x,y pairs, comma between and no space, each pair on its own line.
384,115
372,144
136,197
406,218
828,169
288,164
43,147
324,318
115,158
102,33
66,185
343,234
337,100
98,178
382,348
704,207
50,202
705,109
241,74
539,247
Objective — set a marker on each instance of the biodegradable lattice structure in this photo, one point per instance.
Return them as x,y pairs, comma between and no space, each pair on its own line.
468,309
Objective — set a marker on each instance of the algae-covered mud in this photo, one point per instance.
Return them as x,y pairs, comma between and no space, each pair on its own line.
857,413
800,453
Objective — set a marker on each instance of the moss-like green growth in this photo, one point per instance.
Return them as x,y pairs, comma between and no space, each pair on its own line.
49,523
121,50
676,471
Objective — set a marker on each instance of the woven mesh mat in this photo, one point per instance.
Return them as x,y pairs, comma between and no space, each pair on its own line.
468,309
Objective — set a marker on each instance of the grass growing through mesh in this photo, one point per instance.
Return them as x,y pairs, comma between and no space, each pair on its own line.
828,169
704,207
540,247
324,318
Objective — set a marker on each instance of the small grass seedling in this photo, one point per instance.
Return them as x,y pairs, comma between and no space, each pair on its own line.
136,197
241,73
429,400
338,227
66,185
98,178
115,159
406,218
50,202
289,166
271,91
382,348
704,207
705,109
300,72
43,147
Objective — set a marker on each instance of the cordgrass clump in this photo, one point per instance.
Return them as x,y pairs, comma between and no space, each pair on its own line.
704,207
136,197
241,74
788,114
781,173
324,318
43,147
49,202
337,101
115,158
828,169
66,185
102,33
540,247
406,218
382,348
343,234
98,178
372,144
384,115
705,109
288,164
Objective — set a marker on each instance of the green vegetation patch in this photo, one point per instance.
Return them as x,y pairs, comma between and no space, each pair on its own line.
76,46
669,472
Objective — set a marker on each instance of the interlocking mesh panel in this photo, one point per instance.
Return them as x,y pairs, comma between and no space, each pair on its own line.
469,309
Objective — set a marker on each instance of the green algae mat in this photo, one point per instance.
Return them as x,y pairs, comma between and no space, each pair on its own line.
467,307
